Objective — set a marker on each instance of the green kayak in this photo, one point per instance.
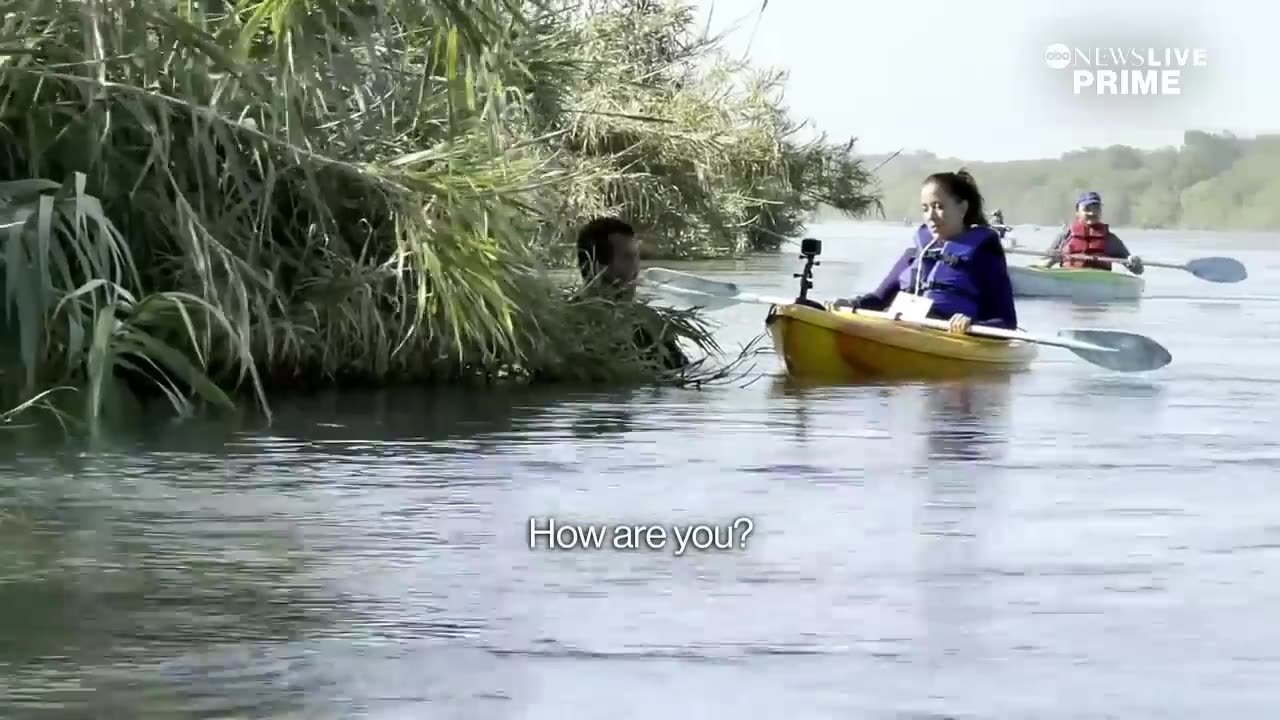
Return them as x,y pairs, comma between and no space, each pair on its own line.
1086,284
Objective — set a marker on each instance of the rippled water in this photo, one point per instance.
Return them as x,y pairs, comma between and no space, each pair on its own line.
1065,543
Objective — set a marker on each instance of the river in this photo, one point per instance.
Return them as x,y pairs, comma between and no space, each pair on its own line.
1067,543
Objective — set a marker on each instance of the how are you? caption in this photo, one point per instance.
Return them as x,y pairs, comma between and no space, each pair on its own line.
549,533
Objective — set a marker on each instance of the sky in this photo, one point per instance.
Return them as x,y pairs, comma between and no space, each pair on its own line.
969,79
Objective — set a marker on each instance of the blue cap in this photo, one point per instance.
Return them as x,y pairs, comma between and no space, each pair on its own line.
1088,198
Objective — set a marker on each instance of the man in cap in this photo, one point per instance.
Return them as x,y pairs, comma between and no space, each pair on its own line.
1089,235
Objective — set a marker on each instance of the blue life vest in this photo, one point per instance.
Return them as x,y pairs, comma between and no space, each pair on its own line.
948,276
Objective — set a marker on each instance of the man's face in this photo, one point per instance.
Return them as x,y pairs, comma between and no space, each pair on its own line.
625,268
1091,213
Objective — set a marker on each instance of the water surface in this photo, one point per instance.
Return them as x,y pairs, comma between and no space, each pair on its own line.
1065,543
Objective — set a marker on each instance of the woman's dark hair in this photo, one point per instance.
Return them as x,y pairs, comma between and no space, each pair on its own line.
960,185
594,247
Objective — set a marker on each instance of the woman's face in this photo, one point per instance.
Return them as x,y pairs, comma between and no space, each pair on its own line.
943,214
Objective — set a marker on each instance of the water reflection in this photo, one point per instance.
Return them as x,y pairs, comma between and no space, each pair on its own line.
434,414
966,420
965,438
122,591
792,401
803,407
427,419
605,419
1119,387
1094,314
208,570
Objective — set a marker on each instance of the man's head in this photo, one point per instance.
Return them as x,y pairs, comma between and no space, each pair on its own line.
1089,208
997,217
608,247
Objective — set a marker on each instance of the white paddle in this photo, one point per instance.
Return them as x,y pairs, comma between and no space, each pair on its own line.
1213,269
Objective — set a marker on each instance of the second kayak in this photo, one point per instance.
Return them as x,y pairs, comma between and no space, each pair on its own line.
1085,285
841,345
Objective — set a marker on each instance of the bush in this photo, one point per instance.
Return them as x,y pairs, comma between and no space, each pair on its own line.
285,193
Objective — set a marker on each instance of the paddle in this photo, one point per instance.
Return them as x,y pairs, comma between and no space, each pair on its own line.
694,287
1213,269
1112,349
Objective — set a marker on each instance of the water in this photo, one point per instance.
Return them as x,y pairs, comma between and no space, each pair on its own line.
1067,543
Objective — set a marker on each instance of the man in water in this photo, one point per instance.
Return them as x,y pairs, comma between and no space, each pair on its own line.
609,262
609,257
1089,235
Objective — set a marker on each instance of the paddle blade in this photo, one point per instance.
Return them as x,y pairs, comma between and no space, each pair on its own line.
1127,352
685,299
1218,269
677,279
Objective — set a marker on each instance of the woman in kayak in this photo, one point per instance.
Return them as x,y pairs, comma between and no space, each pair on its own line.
956,262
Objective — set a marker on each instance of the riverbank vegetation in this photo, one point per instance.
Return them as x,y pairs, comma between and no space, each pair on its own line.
1211,182
214,200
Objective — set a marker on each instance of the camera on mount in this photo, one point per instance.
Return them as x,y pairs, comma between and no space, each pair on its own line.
810,249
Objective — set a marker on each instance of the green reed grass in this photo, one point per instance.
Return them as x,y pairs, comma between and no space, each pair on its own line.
223,197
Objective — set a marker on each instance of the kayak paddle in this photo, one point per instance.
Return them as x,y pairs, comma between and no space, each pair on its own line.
1116,350
1213,269
1112,349
694,287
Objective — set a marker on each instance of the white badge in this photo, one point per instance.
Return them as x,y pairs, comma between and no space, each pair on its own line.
910,307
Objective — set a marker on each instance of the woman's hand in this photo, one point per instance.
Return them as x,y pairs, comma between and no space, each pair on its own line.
845,303
960,323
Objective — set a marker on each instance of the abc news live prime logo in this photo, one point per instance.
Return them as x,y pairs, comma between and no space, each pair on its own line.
1125,70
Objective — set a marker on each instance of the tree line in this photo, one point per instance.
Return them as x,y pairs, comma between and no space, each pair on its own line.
1212,182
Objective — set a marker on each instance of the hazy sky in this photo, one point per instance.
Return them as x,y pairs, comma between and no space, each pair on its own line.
968,79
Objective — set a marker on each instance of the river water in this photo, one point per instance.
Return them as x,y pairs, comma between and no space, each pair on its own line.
1068,543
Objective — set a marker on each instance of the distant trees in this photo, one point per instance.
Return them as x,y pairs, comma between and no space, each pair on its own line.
1213,181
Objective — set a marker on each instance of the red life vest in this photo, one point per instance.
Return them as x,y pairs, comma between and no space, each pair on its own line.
1086,240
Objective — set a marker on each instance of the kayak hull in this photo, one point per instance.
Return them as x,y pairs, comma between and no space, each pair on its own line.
843,346
1086,285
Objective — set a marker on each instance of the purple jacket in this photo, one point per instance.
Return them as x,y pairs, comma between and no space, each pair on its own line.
990,273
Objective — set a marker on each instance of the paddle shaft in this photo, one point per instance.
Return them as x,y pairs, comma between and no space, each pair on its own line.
1095,258
992,332
1212,269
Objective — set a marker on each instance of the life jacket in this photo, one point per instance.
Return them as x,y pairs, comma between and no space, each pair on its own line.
1086,240
948,277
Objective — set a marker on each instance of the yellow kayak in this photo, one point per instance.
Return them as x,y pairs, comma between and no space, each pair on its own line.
841,345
